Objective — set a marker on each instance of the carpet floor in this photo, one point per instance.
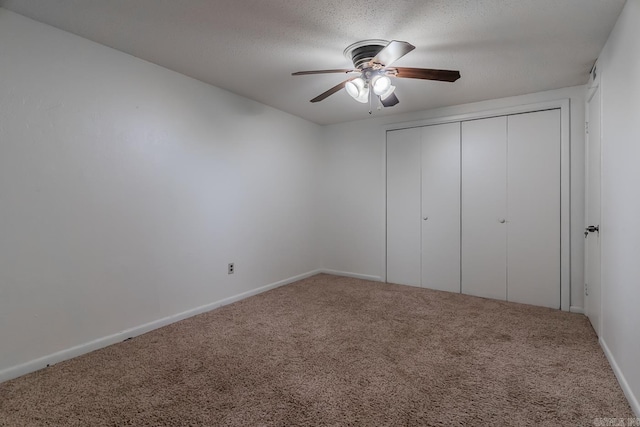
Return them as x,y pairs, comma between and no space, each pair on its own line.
335,351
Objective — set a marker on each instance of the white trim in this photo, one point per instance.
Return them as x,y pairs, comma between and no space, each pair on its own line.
69,353
633,400
384,210
354,275
590,92
595,88
576,309
481,114
565,171
565,204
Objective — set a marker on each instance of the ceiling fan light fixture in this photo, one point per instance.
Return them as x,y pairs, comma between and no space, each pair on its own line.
357,89
372,59
352,88
381,84
364,96
387,93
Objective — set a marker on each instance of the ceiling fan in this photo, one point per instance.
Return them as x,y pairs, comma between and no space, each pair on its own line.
372,60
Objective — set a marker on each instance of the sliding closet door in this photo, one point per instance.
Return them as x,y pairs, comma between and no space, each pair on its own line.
403,206
533,266
484,207
441,207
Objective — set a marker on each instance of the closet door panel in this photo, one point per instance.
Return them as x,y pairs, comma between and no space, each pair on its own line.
441,207
403,206
533,243
484,205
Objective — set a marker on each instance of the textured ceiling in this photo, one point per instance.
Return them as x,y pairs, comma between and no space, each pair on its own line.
251,47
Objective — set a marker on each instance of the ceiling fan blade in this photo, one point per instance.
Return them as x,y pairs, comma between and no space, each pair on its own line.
304,73
392,52
426,74
331,91
390,100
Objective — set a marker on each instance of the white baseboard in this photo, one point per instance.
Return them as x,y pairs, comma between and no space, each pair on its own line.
576,309
633,400
69,353
354,275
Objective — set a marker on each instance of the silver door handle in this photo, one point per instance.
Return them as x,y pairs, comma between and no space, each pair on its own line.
425,218
502,220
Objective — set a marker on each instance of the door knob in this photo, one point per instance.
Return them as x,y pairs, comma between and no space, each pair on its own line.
425,218
502,220
591,229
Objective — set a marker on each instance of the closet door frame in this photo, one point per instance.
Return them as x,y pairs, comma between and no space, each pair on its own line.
565,176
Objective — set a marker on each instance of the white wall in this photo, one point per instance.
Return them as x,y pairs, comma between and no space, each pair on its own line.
619,66
354,186
125,189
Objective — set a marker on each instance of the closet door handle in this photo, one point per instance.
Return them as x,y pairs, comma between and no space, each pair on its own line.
502,220
425,218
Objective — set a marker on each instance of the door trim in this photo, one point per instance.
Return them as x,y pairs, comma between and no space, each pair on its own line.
591,92
565,173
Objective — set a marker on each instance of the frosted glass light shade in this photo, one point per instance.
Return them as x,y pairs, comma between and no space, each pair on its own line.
354,87
386,93
381,84
357,89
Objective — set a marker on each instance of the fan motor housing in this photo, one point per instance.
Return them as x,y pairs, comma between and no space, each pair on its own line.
360,53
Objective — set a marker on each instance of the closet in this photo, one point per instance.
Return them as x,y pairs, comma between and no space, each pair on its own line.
423,207
474,207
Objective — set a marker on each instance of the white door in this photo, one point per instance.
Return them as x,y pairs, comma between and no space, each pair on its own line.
441,207
533,206
484,208
592,273
403,206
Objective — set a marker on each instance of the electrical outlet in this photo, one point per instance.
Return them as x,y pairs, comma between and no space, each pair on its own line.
231,268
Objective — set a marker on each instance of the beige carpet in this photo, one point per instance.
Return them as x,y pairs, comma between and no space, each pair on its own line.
335,351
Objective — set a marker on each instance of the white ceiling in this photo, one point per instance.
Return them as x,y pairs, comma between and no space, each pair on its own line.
251,47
